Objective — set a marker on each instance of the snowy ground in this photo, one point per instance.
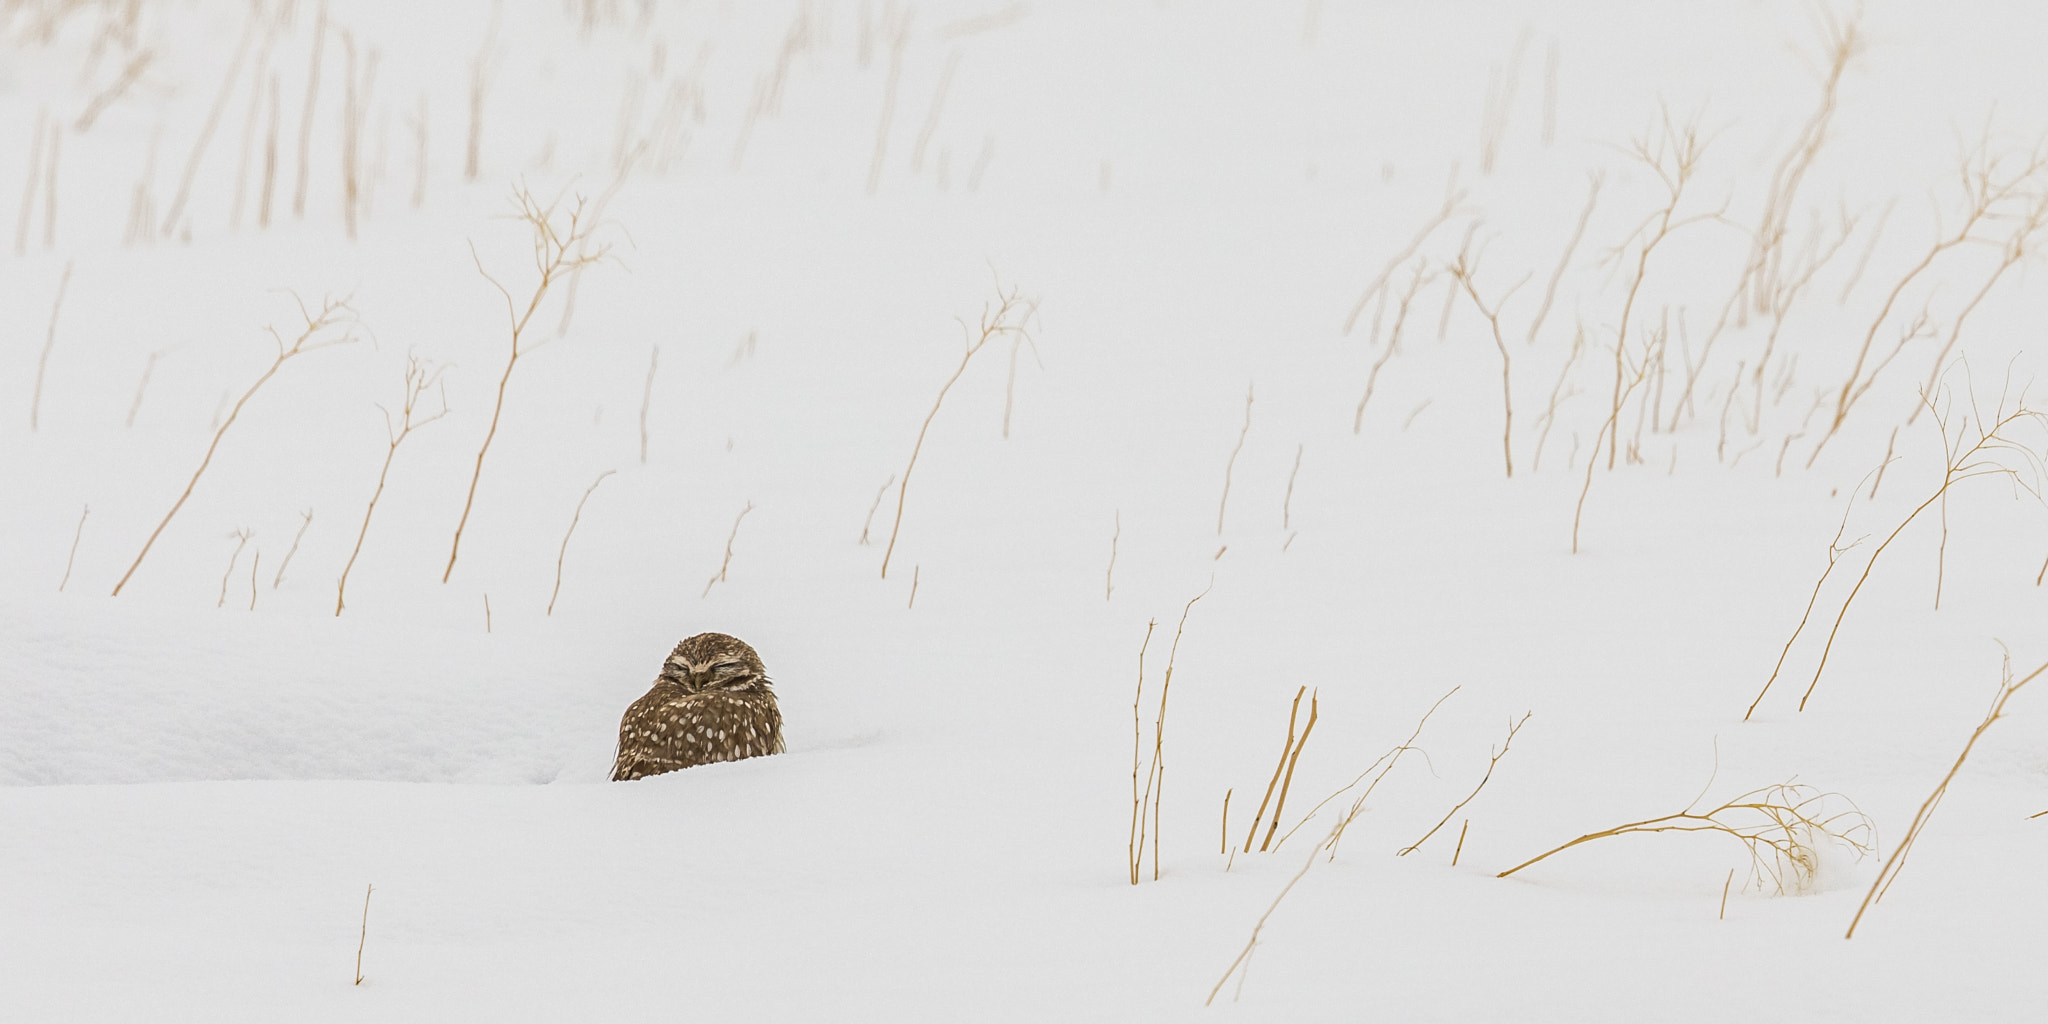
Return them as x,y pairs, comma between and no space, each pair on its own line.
806,207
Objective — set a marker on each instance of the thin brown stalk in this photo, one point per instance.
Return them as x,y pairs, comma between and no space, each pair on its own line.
481,68
253,564
1415,285
1761,277
1463,271
931,117
1564,260
206,130
73,557
256,80
241,541
306,523
50,188
726,564
1460,849
915,571
1139,806
1384,764
1109,574
563,554
269,156
1778,824
1279,767
306,116
1836,549
1452,198
1156,783
1288,783
1558,394
332,312
1979,460
1287,503
901,39
557,250
2014,251
1893,864
364,937
1223,505
1513,728
870,521
29,181
647,399
112,93
1725,884
35,404
1593,460
1988,187
419,378
998,323
1240,965
1682,148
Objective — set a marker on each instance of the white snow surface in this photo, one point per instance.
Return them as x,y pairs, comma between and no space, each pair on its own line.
200,776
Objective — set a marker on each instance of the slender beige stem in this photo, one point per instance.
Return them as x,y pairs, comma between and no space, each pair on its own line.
991,326
1278,768
220,103
1513,728
419,377
331,313
35,405
719,576
1286,784
73,557
563,555
1230,464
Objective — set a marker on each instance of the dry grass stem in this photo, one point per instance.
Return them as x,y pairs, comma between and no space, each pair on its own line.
870,521
1781,825
1109,574
206,130
1459,850
1140,803
558,249
1764,272
1990,186
254,562
1462,272
1241,965
420,377
1287,503
481,68
1453,196
1230,464
931,117
1635,379
35,404
1725,884
50,188
1501,83
1010,316
306,523
900,37
1382,766
1415,285
332,312
1495,756
29,181
241,541
363,937
647,399
726,563
112,93
1564,259
73,557
256,80
1836,549
563,554
1154,794
270,155
1279,767
1889,872
1673,155
1287,783
306,115
1980,459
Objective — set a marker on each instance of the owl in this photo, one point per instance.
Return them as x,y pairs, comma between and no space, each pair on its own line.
712,702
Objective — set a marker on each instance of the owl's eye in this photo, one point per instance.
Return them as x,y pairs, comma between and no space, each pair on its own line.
724,667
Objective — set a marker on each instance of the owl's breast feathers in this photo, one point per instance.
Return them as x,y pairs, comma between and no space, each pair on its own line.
669,729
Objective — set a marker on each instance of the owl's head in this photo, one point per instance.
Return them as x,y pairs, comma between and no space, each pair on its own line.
715,661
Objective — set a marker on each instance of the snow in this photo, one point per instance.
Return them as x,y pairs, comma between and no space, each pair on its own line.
200,776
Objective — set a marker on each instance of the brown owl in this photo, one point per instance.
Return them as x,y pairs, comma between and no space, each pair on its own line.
712,702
